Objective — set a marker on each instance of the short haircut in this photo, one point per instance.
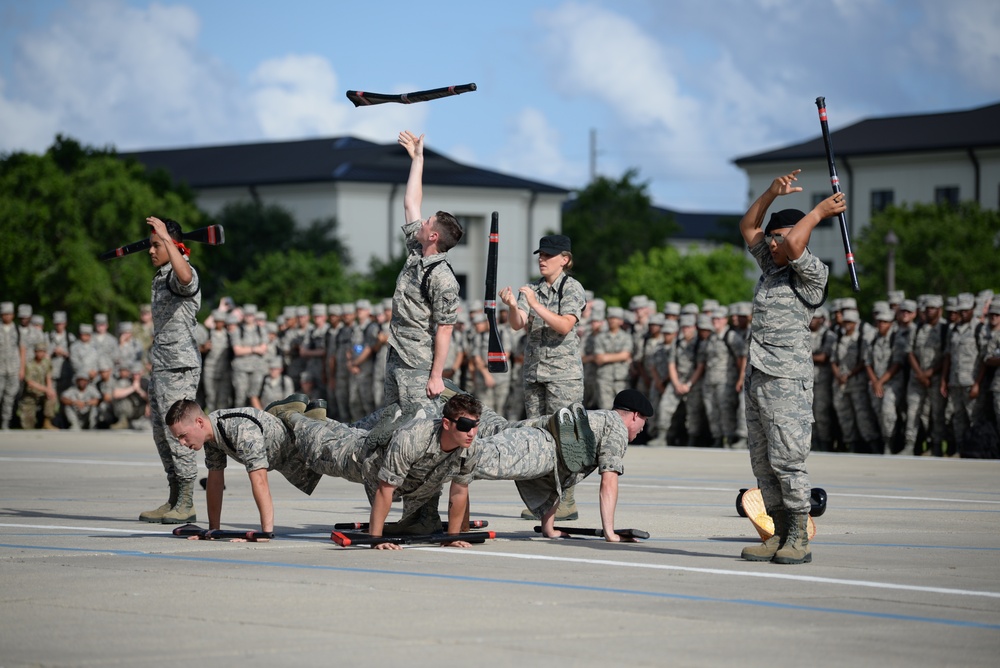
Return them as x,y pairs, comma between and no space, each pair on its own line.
173,229
462,404
449,231
183,409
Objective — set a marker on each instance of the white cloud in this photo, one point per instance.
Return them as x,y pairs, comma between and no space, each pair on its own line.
298,95
532,148
105,72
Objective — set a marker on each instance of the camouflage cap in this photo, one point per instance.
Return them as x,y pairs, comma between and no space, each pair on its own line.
319,310
24,310
86,328
670,327
363,305
41,345
966,301
249,309
884,316
6,307
637,302
690,309
335,309
705,322
100,318
896,296
687,320
851,315
657,320
616,312
38,319
59,317
908,305
994,307
671,308
934,301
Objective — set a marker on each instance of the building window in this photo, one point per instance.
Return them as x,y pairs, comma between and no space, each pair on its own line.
946,195
881,199
470,223
816,199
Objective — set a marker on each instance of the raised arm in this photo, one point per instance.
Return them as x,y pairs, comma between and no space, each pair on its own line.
414,196
753,219
179,263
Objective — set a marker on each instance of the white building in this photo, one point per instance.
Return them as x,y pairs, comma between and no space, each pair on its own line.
926,158
361,184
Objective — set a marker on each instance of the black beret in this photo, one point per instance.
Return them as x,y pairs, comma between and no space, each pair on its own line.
634,400
782,219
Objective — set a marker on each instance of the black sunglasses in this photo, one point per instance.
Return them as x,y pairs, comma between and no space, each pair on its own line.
465,424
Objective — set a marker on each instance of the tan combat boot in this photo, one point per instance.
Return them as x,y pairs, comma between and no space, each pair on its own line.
766,550
567,506
183,510
796,547
157,515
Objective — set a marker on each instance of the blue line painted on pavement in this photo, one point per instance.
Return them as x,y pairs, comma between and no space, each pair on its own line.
527,583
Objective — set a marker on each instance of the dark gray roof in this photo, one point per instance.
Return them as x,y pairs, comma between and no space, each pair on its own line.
319,160
973,128
705,226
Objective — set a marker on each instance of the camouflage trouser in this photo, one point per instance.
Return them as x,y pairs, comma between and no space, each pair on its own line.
664,414
844,413
166,387
545,398
924,407
513,408
516,454
963,411
9,387
218,388
488,396
361,395
608,388
330,448
886,408
28,409
78,419
246,384
342,393
694,413
779,434
720,409
823,431
404,385
590,398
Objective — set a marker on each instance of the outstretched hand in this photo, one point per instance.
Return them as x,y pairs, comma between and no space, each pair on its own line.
413,144
783,184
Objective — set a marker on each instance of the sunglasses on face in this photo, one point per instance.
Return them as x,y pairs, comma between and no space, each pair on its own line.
465,424
777,238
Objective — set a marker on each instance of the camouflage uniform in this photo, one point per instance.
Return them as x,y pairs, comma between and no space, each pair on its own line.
12,353
553,371
526,453
217,372
881,355
924,404
779,384
246,372
717,388
362,396
514,406
687,357
416,313
417,467
257,440
81,418
176,364
83,356
60,343
823,341
343,353
32,399
275,389
857,421
963,355
613,376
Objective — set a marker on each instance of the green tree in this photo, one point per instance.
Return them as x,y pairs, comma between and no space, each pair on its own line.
943,249
59,210
294,277
664,273
609,221
254,231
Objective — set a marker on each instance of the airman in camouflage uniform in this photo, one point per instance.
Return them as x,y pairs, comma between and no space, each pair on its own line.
364,348
884,360
823,340
60,340
249,344
217,377
80,403
991,360
857,421
925,405
39,391
779,383
613,356
83,355
725,365
549,312
686,371
343,354
12,364
527,453
660,373
255,439
960,373
597,324
104,341
176,362
425,303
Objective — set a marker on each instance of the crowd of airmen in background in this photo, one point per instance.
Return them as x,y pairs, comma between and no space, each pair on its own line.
899,382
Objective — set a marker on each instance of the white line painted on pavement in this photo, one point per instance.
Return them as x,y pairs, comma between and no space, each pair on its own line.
719,571
102,462
89,529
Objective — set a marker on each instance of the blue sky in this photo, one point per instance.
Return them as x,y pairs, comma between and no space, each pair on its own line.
674,88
